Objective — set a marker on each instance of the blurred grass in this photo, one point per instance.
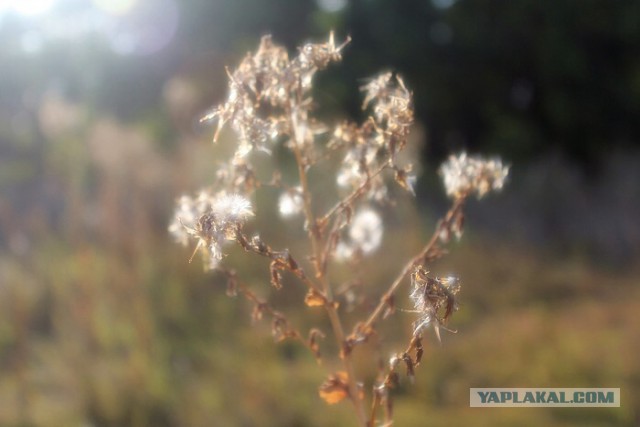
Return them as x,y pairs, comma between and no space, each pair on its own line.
104,323
86,337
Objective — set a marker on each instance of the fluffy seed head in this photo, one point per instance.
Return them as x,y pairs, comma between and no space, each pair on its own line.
464,175
212,219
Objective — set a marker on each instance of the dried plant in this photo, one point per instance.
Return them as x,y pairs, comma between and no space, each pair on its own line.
270,103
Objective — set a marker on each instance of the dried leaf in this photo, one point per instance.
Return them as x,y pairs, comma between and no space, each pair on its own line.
276,277
279,328
393,379
417,343
242,241
314,299
314,346
293,265
347,347
335,388
410,366
333,395
404,180
259,246
361,333
258,311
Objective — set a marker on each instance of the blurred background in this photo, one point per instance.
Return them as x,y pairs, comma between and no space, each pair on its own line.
104,323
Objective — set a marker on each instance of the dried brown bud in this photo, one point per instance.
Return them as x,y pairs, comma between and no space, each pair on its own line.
410,366
362,332
405,180
258,311
314,346
416,342
279,328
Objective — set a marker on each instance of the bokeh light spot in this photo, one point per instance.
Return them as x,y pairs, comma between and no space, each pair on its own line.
31,42
115,7
442,4
146,29
331,6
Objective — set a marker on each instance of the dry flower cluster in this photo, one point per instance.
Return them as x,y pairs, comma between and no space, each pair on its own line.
270,103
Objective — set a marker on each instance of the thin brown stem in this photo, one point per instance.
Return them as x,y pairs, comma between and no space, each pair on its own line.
374,408
341,206
315,237
282,259
383,388
355,195
281,326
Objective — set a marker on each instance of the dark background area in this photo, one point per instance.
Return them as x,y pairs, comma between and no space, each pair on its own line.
104,323
547,85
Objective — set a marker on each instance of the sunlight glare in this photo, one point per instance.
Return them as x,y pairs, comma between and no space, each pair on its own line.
27,7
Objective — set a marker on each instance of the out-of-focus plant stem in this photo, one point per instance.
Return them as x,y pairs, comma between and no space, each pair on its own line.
315,238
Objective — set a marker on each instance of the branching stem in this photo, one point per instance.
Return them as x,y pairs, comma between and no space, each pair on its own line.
316,238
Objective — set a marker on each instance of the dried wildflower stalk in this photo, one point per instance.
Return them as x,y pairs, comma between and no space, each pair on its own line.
270,102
